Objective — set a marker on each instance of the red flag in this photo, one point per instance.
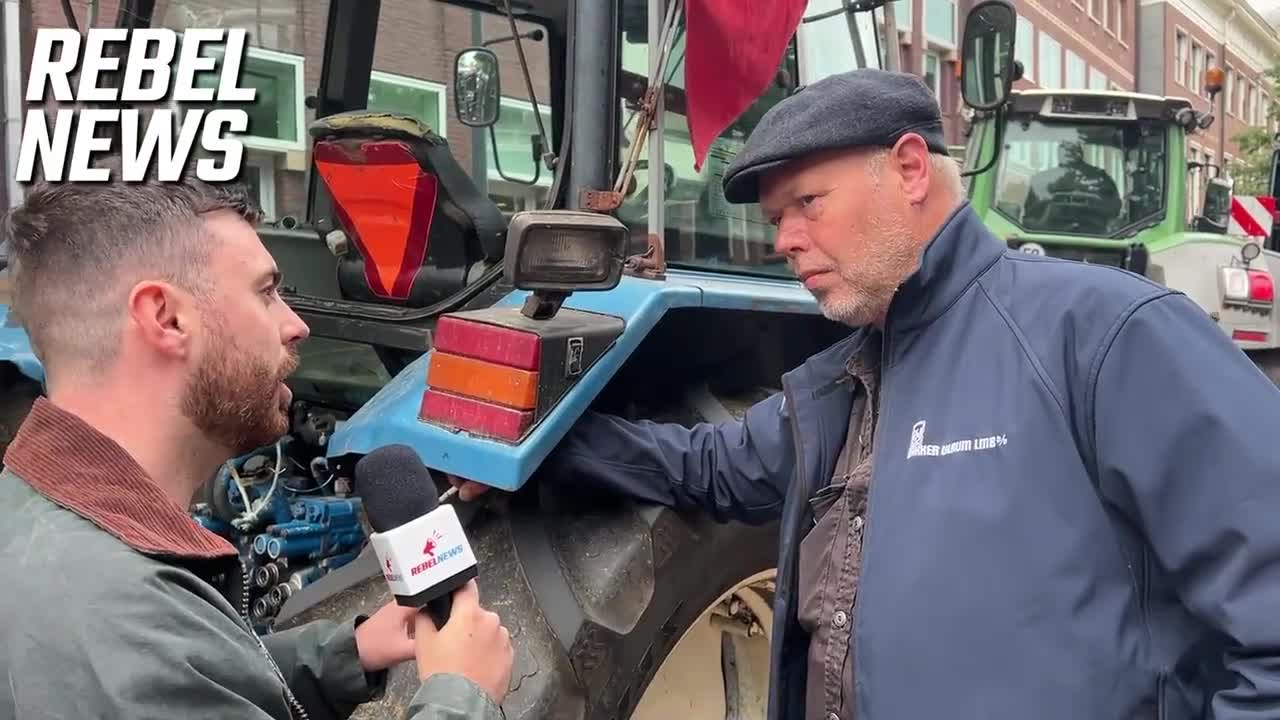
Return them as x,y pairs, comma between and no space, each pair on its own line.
733,49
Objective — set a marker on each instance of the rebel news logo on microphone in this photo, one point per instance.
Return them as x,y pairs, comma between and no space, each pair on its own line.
156,72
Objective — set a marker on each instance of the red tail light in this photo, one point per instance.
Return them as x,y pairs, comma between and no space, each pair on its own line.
482,378
1261,287
487,342
1249,336
386,203
496,373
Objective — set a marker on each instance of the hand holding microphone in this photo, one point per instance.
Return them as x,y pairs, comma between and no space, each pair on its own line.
429,565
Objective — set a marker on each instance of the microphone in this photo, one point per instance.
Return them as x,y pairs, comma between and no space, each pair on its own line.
420,544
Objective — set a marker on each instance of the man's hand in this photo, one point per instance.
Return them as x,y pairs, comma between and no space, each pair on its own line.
386,638
473,644
468,490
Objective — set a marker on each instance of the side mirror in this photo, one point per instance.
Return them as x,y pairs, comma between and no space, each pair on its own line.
477,87
1273,187
987,65
1217,203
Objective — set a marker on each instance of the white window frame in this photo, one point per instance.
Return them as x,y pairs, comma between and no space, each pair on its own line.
1068,57
937,76
1027,29
950,43
1093,72
266,167
296,63
1044,40
441,124
1197,68
1180,41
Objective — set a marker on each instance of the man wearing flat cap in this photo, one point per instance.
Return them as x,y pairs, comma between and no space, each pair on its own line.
1022,487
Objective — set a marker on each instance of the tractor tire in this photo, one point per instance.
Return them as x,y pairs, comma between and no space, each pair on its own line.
17,394
617,611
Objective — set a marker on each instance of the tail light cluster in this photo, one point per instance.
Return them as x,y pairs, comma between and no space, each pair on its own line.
1251,288
495,373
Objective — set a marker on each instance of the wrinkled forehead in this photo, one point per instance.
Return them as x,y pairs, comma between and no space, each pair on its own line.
781,184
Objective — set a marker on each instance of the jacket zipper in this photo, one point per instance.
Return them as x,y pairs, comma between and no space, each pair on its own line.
795,436
299,711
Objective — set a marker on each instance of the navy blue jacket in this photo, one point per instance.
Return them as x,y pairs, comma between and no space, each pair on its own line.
1075,508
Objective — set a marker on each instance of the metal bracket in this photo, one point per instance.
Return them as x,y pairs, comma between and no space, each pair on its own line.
652,263
600,200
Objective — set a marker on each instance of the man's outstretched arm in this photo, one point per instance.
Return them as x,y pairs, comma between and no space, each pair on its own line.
734,471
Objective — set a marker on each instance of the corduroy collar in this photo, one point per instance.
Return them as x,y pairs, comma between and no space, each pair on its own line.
72,464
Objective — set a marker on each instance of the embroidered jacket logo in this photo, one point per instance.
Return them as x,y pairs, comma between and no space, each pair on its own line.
918,447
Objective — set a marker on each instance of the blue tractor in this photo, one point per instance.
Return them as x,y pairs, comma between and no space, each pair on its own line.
478,330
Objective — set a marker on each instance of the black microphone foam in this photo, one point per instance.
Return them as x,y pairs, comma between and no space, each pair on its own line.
396,489
394,486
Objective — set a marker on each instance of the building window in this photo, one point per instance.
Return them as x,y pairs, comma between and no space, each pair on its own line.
515,132
1097,81
1180,58
933,73
276,114
259,175
1050,62
422,99
1026,48
1229,91
940,21
1208,63
1077,72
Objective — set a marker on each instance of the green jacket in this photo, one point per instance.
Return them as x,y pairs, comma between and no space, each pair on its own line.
117,605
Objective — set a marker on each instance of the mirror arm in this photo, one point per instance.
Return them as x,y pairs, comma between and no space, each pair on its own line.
497,164
995,146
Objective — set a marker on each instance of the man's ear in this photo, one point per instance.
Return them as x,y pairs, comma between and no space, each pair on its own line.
910,157
163,317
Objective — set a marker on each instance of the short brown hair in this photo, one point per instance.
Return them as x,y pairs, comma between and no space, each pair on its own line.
76,250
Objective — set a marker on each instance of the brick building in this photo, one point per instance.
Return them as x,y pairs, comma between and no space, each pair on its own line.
1182,38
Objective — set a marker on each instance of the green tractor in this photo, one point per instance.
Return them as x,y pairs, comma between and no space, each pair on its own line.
1103,177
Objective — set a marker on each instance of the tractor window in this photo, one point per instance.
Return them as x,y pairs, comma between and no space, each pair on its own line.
702,230
286,48
412,73
1081,178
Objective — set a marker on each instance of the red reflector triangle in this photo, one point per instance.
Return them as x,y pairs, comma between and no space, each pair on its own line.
385,202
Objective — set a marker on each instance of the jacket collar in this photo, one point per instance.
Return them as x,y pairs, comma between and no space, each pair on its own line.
69,462
961,250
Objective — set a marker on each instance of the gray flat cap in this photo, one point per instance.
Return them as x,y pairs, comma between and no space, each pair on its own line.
860,108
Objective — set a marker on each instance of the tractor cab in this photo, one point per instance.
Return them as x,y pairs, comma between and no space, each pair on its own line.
1091,175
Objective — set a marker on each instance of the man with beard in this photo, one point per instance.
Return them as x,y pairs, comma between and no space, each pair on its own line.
1021,487
154,310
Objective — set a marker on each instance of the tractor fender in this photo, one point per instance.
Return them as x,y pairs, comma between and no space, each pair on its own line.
15,348
391,416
